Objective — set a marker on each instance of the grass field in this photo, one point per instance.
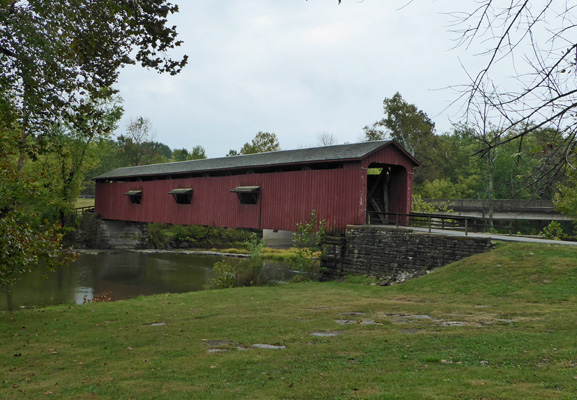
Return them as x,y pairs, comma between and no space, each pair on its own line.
501,325
82,202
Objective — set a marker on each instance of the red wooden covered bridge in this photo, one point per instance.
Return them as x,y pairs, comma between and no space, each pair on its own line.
273,190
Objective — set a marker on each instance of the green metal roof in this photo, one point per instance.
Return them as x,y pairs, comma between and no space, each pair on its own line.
285,157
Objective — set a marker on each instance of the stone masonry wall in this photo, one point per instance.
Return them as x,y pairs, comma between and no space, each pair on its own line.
394,254
96,233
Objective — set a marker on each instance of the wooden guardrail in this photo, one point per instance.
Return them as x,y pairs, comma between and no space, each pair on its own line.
82,210
434,221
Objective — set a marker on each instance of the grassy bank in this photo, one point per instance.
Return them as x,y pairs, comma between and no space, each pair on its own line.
495,326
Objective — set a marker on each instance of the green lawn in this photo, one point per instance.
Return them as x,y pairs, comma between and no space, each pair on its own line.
501,325
82,202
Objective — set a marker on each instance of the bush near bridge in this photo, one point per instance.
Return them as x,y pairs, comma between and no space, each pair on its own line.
499,325
164,236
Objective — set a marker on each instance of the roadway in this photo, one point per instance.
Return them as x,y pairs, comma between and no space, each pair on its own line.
493,236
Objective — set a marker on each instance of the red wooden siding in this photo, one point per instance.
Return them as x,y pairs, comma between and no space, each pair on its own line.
285,198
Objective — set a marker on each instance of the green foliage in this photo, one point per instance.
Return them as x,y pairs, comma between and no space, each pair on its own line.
208,236
59,169
306,263
255,246
414,131
263,142
308,240
566,197
421,206
403,122
226,275
197,236
445,189
197,153
244,273
59,63
157,236
310,234
26,238
23,245
554,231
530,170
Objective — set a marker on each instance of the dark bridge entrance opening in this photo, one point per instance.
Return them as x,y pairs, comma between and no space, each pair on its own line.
385,192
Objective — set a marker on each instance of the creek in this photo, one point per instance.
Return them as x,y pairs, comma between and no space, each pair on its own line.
115,275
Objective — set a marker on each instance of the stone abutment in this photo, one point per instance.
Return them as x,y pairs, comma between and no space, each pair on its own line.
394,254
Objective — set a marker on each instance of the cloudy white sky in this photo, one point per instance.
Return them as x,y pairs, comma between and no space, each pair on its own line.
299,69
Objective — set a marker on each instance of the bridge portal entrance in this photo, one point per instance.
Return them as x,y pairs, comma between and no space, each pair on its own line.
385,192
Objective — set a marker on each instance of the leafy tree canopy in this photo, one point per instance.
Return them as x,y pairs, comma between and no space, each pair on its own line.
197,153
58,58
403,122
263,142
58,63
413,129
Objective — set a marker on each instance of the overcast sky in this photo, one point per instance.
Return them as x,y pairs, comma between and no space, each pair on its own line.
297,68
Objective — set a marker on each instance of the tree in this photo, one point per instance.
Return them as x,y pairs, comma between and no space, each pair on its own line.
326,139
263,142
413,130
566,198
198,153
25,238
58,60
155,153
527,77
138,132
180,155
404,123
136,146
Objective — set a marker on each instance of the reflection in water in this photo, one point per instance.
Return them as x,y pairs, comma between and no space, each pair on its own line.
120,275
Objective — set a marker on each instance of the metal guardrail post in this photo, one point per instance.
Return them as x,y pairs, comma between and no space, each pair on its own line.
466,227
430,223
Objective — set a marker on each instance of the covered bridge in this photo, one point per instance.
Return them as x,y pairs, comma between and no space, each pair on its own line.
273,190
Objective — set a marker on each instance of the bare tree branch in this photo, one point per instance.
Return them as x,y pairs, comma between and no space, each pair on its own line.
528,81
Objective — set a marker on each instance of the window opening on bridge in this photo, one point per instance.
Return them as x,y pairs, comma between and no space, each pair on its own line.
135,196
182,196
247,194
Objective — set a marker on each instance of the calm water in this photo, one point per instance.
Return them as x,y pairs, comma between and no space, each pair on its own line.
123,275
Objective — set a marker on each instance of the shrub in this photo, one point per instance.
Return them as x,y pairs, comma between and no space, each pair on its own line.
225,275
161,236
244,273
307,241
420,205
553,231
157,236
310,234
